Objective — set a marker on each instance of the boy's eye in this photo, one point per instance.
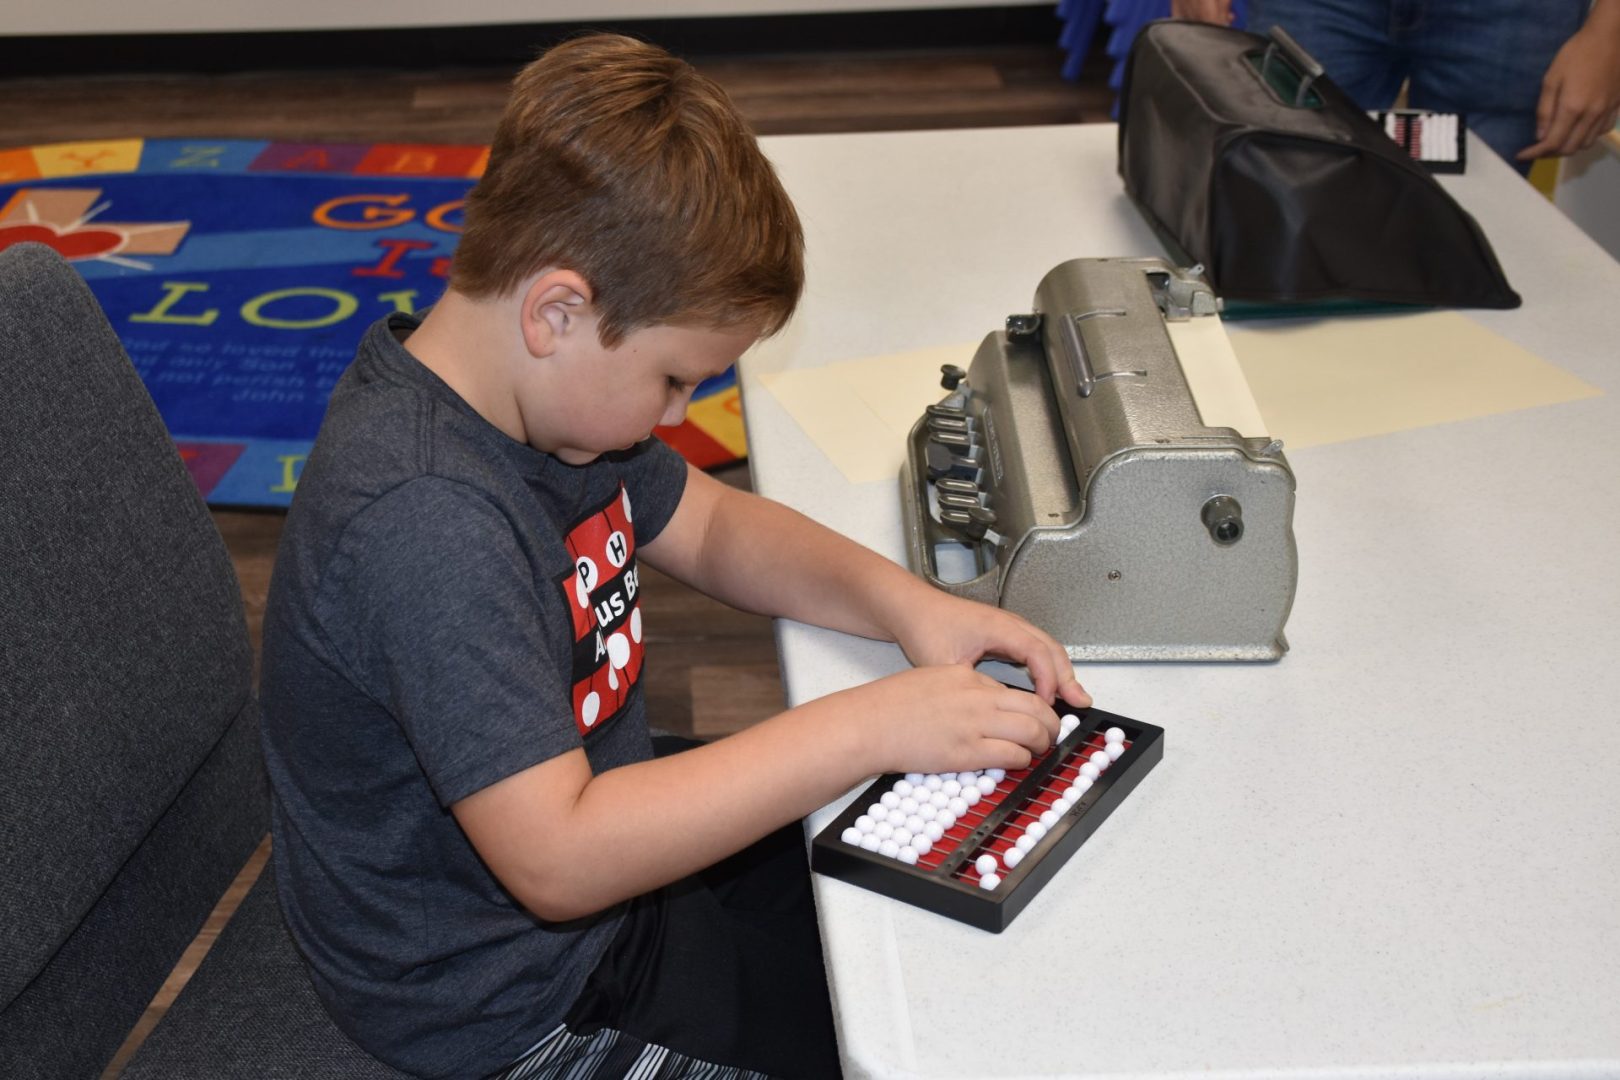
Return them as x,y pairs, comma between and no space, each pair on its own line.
675,384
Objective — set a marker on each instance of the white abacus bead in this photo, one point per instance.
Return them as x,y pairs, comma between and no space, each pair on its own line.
970,795
1081,785
928,812
902,788
998,775
1114,750
985,864
870,842
1101,759
958,806
1050,818
883,831
908,856
923,844
1024,843
946,819
877,811
852,835
897,817
1067,724
1012,857
933,830
915,779
989,881
889,848
933,782
1114,734
1036,829
915,823
1090,771
951,787
1061,806
986,784
967,777
947,776
909,805
902,836
889,799
865,823
940,800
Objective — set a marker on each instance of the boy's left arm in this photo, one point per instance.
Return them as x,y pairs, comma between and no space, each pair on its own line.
762,557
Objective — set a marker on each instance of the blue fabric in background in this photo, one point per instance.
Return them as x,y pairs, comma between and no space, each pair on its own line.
1082,19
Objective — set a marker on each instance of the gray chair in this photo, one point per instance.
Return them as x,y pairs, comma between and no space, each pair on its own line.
132,788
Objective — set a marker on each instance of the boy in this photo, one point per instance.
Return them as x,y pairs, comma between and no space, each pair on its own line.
482,860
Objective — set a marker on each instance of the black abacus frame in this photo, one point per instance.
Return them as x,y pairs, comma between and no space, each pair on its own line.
938,890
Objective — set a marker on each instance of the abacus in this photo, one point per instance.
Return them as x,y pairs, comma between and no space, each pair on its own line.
979,856
1434,140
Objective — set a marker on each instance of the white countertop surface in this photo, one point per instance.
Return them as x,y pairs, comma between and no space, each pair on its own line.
1394,853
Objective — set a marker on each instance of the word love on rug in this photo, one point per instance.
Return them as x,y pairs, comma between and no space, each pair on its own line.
241,274
978,846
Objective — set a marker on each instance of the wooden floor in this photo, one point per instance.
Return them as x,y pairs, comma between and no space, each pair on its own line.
710,670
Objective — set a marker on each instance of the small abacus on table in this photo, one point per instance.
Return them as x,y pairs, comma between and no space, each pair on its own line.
978,846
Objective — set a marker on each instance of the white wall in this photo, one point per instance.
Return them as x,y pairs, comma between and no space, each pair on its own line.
178,16
1589,191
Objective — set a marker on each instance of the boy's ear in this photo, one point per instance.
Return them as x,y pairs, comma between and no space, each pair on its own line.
556,303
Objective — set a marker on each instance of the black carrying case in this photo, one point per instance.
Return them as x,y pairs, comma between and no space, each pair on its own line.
1245,158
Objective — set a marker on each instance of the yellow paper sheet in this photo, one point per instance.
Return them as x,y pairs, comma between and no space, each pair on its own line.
1330,380
859,412
1315,382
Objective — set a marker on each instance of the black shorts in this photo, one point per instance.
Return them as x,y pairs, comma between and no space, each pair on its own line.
723,968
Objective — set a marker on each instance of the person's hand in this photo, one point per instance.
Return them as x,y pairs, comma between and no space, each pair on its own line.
946,719
1580,94
1218,12
945,629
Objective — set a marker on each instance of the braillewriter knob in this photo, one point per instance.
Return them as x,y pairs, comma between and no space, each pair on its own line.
1021,326
1223,517
951,376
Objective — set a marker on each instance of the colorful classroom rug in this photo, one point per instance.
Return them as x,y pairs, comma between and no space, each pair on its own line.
241,274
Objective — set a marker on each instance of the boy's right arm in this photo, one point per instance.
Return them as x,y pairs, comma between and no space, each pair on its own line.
567,843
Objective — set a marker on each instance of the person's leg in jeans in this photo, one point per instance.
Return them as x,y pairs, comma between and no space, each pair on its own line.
1351,39
1485,59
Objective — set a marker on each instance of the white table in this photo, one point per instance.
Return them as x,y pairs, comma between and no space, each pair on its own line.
1394,853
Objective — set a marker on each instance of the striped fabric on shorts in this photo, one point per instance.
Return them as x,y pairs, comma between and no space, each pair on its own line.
612,1055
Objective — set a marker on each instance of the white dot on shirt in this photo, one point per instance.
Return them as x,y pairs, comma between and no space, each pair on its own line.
618,649
587,574
635,623
590,708
617,551
624,497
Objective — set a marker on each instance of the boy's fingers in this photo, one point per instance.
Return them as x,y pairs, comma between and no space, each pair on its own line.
1048,665
1031,709
1075,694
1004,754
1052,672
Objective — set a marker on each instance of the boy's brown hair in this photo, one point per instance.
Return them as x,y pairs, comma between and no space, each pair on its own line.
622,163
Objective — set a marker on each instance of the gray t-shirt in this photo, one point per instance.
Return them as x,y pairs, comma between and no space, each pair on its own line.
449,607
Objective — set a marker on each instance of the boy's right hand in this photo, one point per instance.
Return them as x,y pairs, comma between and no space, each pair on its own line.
947,719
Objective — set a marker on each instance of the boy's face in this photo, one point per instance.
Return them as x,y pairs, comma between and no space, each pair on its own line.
594,400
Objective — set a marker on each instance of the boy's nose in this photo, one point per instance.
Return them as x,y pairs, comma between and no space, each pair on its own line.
676,411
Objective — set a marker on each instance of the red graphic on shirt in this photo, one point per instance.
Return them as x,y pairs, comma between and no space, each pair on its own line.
602,594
